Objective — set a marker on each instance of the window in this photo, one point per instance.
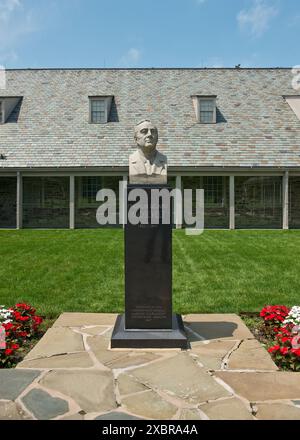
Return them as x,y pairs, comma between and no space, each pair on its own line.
100,109
86,205
294,202
205,108
258,202
8,104
90,187
1,112
213,191
46,202
207,111
216,199
8,201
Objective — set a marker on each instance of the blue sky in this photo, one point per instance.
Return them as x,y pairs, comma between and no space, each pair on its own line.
149,33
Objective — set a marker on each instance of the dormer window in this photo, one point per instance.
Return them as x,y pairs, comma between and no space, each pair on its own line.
7,105
2,118
206,109
100,109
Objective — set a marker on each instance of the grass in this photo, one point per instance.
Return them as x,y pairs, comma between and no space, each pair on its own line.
82,270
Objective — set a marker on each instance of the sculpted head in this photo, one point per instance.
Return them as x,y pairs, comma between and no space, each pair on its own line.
146,136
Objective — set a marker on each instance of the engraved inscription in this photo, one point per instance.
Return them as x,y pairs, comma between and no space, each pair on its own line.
148,313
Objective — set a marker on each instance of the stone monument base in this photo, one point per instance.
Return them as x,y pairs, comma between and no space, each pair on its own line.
173,338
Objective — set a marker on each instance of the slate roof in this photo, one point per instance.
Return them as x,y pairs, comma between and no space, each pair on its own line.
256,127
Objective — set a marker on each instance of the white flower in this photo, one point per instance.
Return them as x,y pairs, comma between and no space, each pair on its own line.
5,315
293,317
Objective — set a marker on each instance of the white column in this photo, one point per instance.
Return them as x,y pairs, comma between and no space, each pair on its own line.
19,201
123,205
224,193
178,206
231,203
72,202
285,201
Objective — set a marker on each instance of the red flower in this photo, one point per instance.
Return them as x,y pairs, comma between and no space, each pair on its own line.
283,339
37,319
8,351
17,315
274,348
296,351
274,313
284,350
24,318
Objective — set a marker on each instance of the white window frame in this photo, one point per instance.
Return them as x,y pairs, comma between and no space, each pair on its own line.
213,100
107,101
197,104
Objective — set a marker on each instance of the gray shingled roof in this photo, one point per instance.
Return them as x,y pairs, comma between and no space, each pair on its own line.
256,126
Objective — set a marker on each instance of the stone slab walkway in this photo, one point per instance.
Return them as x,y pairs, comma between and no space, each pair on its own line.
73,374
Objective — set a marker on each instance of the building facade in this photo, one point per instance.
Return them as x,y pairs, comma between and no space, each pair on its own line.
66,133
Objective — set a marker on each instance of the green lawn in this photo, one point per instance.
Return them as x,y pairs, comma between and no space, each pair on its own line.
82,270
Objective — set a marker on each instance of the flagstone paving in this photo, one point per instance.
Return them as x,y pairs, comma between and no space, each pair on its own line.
72,374
44,406
285,411
12,411
233,408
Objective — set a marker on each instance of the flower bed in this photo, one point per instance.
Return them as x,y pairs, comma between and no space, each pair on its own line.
18,325
282,325
278,329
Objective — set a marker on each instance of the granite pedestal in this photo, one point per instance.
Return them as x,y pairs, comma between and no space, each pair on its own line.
148,321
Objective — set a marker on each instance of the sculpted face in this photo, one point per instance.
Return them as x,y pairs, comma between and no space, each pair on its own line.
146,136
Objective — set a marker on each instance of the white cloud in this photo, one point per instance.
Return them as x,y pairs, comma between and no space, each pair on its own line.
131,57
7,7
256,20
15,22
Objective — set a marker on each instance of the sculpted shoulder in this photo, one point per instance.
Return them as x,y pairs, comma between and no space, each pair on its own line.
134,157
161,158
